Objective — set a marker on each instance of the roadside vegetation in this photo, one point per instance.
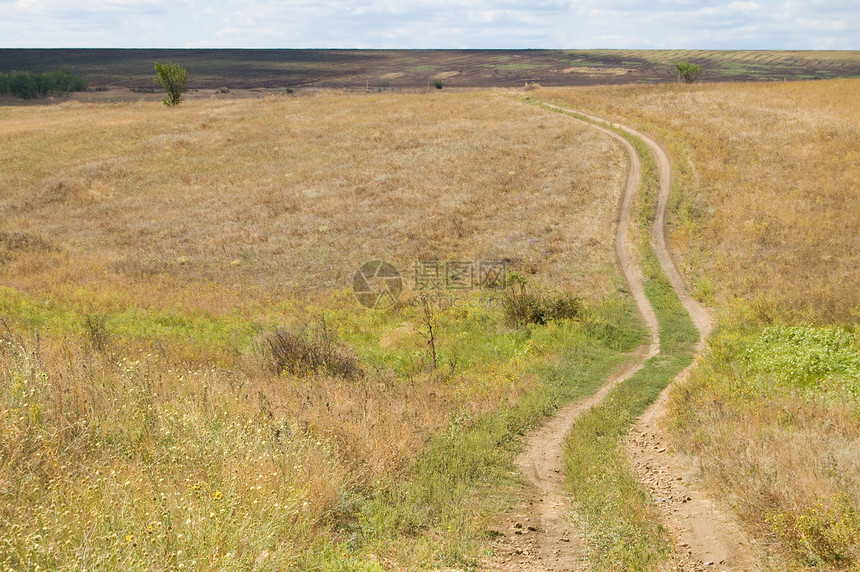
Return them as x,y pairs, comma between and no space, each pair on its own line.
186,380
765,217
616,518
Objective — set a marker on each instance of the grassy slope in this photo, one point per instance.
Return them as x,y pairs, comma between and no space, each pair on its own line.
142,269
772,412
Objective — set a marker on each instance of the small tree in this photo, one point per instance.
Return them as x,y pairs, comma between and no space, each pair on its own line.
172,77
688,71
428,320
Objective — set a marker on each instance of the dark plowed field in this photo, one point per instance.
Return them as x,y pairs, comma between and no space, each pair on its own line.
381,69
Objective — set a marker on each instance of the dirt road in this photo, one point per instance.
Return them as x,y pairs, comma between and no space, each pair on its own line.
536,535
707,535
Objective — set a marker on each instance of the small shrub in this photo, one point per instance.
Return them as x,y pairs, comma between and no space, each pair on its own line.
303,353
522,306
564,306
688,71
438,84
430,331
172,78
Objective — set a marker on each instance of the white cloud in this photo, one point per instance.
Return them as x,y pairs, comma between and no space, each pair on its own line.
744,6
773,24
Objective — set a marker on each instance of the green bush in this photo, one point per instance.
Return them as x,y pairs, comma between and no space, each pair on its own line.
172,77
523,306
21,84
805,355
688,71
61,82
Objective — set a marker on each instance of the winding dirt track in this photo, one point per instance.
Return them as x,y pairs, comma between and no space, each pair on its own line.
536,534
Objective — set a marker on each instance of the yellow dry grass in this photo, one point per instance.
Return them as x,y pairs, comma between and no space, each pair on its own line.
767,213
291,195
594,70
156,438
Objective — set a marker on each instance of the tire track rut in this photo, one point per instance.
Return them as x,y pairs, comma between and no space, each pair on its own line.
536,534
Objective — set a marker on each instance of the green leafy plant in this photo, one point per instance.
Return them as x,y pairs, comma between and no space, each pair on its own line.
688,71
804,355
438,84
172,78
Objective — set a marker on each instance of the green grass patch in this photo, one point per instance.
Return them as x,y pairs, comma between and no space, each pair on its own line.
424,68
466,475
807,356
434,514
512,67
775,405
119,328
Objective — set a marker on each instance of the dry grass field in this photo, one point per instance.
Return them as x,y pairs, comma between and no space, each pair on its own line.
186,380
152,259
291,195
766,219
768,212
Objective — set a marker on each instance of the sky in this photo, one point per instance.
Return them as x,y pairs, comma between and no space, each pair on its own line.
424,24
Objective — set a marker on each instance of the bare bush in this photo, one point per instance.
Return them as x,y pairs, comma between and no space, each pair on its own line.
315,352
97,333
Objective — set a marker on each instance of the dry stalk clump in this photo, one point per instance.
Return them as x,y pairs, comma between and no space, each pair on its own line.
313,351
